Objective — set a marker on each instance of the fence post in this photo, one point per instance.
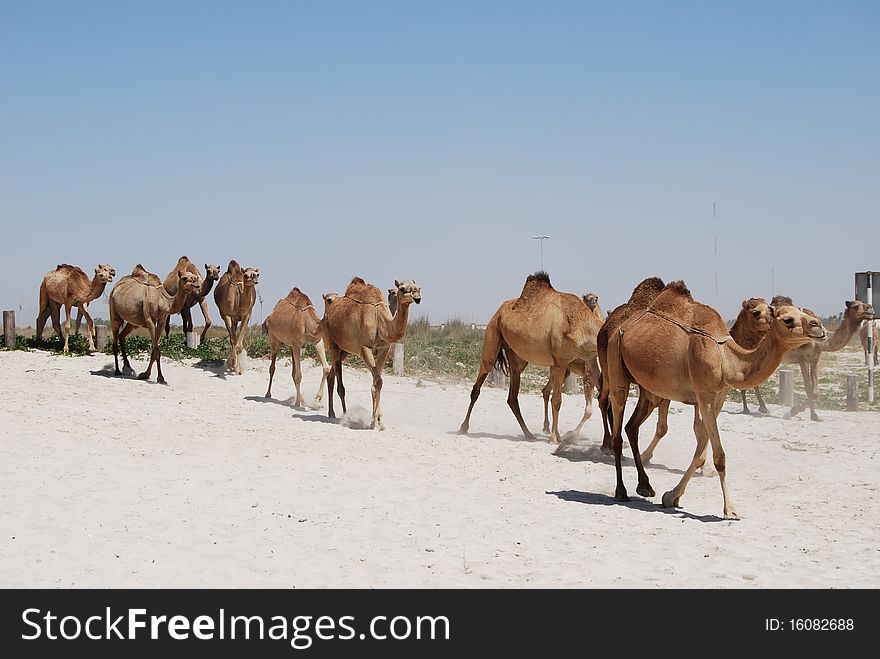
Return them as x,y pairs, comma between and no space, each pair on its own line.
496,377
192,339
9,328
786,387
101,333
397,361
570,386
852,393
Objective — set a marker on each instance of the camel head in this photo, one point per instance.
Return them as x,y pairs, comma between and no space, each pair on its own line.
105,273
794,327
761,313
251,276
408,291
212,272
859,311
188,281
591,300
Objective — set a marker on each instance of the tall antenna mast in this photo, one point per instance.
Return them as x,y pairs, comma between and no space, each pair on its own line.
715,235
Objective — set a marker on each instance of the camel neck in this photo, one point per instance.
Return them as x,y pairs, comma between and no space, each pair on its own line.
396,325
842,334
744,368
96,289
176,302
207,285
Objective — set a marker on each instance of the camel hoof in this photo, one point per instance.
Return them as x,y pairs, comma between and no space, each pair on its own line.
546,430
161,381
669,501
529,436
621,497
463,430
143,376
268,395
645,490
731,514
815,417
606,449
763,410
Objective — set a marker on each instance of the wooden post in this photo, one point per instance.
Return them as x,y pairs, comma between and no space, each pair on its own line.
9,328
786,387
852,393
192,340
101,334
570,386
397,360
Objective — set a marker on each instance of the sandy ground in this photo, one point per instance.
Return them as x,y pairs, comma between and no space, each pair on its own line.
111,482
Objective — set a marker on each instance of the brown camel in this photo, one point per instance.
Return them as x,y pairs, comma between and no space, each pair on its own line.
750,328
679,349
863,339
807,356
235,295
643,294
292,322
542,326
590,381
140,300
212,274
360,323
69,286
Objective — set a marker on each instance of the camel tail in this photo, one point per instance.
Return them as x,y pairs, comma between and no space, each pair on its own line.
501,361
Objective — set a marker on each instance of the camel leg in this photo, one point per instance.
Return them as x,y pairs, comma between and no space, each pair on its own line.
230,329
617,399
814,389
242,330
325,370
56,318
709,411
797,408
517,366
331,379
45,313
745,409
545,394
203,305
589,376
557,376
154,339
647,403
67,310
274,346
127,329
79,316
157,336
605,409
659,432
375,362
167,326
762,408
115,323
488,356
340,388
296,353
90,326
672,497
186,320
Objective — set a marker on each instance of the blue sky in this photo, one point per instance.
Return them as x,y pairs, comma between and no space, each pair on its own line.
431,140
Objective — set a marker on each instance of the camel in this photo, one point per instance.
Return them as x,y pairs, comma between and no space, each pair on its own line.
140,300
235,295
863,339
292,322
592,302
69,286
545,327
212,274
360,322
750,328
807,356
679,349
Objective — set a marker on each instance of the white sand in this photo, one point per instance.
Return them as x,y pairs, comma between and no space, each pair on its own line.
114,482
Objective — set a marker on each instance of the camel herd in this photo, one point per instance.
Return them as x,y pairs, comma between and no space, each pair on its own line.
661,339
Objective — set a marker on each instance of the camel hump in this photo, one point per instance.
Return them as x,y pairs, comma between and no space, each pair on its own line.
781,301
233,269
66,267
680,288
361,291
298,298
140,274
539,277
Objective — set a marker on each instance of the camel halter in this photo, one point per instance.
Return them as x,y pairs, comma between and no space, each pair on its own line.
690,330
308,306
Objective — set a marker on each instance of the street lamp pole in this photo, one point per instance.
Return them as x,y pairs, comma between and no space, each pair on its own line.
541,240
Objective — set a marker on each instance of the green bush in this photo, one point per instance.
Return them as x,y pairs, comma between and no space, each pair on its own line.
78,344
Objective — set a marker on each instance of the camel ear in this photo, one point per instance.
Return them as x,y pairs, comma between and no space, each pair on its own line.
396,284
772,310
207,267
745,304
849,303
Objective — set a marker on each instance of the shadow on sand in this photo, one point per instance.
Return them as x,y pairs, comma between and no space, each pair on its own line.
594,454
592,499
510,438
218,368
